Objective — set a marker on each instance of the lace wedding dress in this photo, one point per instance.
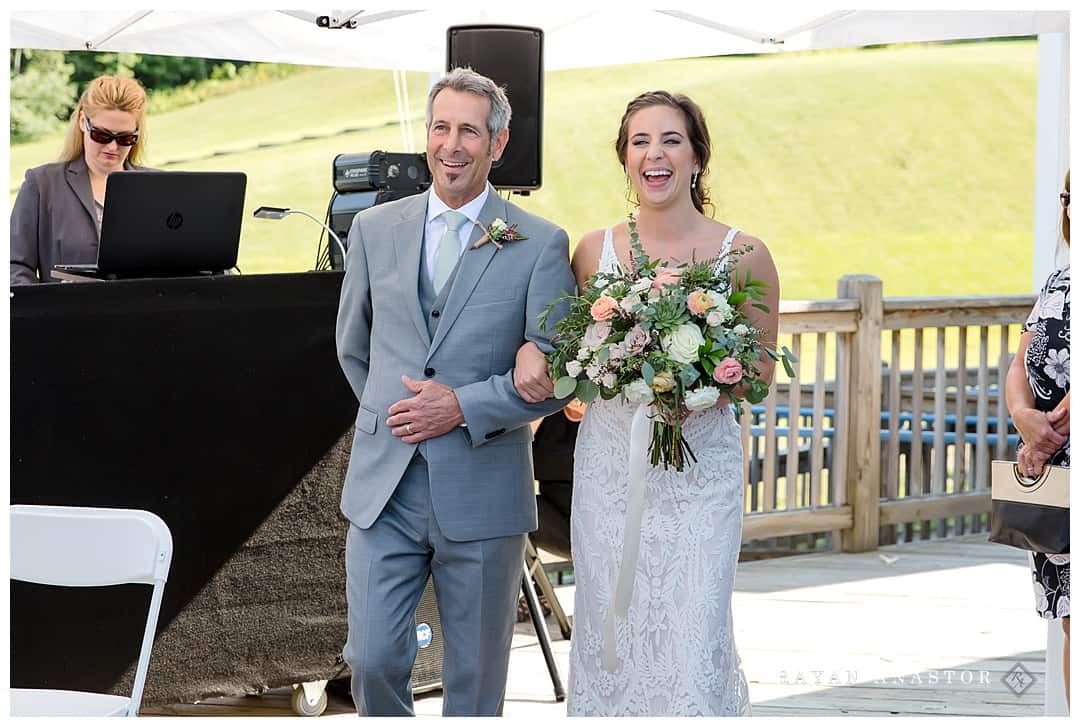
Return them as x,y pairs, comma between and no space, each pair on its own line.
676,652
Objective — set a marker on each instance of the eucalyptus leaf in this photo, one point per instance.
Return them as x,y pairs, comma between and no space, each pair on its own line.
565,386
787,367
648,372
605,352
587,390
790,355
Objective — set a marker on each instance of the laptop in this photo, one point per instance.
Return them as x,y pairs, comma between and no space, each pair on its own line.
168,224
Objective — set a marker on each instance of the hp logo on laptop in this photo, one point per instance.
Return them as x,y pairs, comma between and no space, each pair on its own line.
174,220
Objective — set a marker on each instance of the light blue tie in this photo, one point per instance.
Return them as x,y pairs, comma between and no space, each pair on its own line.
449,248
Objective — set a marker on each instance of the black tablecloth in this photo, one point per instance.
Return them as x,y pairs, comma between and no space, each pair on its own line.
218,404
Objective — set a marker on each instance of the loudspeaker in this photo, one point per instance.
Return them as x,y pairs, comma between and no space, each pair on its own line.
427,669
513,57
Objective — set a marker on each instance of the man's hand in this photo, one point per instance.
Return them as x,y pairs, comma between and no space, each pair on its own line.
433,412
531,377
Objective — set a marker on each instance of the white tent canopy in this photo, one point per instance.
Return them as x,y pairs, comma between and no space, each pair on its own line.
400,39
416,39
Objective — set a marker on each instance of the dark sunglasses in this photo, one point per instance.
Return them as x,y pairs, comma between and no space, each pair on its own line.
1064,196
107,137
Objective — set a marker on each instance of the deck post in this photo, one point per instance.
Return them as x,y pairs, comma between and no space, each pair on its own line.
863,467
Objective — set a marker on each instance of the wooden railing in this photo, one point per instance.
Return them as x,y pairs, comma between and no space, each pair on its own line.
887,430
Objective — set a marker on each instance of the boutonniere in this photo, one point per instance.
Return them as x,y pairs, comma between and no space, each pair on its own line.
498,233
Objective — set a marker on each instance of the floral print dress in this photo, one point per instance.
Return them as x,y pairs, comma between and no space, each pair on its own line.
1047,364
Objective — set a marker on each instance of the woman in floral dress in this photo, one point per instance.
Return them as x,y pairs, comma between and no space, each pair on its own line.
1037,393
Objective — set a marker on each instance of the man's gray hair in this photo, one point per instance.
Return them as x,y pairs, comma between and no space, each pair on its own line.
466,80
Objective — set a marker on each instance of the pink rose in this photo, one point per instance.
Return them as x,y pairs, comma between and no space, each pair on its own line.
666,276
699,302
637,338
603,308
728,372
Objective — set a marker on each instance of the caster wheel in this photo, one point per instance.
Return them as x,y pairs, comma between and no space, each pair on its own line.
302,707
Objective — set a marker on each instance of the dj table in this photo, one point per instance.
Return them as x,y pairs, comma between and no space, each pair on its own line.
218,404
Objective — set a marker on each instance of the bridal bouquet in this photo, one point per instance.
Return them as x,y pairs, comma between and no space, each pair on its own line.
672,338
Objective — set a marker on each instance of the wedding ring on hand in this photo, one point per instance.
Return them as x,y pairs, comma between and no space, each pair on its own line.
408,428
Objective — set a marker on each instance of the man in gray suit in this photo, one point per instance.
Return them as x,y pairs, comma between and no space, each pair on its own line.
440,478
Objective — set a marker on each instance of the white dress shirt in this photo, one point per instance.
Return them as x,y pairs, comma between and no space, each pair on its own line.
436,226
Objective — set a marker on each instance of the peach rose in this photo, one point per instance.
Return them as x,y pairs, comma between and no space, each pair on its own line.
604,308
666,276
728,372
699,302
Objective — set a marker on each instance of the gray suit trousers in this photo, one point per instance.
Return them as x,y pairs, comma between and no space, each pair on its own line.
476,586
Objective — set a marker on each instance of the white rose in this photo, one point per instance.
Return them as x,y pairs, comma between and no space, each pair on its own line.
682,343
498,227
740,330
596,334
593,372
628,303
573,368
719,303
638,392
702,398
583,354
714,319
616,351
641,285
609,379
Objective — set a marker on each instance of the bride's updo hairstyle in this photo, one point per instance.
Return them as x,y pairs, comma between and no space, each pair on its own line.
695,127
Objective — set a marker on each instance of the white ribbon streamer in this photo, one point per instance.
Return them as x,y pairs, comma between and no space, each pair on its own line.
624,582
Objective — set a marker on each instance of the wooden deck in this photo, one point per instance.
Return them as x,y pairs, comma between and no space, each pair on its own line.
918,629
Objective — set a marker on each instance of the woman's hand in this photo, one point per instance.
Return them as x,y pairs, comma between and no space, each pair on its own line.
1059,417
531,377
1041,441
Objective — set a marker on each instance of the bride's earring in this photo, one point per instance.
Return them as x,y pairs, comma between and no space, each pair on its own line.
629,192
693,180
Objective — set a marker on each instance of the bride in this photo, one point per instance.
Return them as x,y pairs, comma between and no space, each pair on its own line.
673,651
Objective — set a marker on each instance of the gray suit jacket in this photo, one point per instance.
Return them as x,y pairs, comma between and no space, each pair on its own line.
481,474
52,221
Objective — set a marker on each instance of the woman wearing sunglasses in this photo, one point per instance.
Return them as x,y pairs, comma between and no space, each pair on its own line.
57,214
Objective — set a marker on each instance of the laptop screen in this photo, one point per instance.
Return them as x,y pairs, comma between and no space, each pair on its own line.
171,223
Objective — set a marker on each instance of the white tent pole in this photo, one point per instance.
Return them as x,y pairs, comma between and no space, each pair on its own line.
400,111
94,43
753,35
410,144
1051,151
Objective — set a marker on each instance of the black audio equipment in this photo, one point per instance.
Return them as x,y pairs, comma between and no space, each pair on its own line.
343,207
513,57
380,170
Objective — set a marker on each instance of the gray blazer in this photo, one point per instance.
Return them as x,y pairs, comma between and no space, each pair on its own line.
481,474
53,221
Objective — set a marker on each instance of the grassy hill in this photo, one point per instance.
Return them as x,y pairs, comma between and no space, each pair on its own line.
914,163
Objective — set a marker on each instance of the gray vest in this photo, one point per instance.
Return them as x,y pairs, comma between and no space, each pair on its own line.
429,302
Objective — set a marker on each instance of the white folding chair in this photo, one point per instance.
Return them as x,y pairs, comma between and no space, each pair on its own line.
89,546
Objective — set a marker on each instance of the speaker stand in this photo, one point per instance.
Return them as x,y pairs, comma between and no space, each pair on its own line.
540,627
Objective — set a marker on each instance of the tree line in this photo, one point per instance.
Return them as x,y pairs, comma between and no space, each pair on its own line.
45,84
